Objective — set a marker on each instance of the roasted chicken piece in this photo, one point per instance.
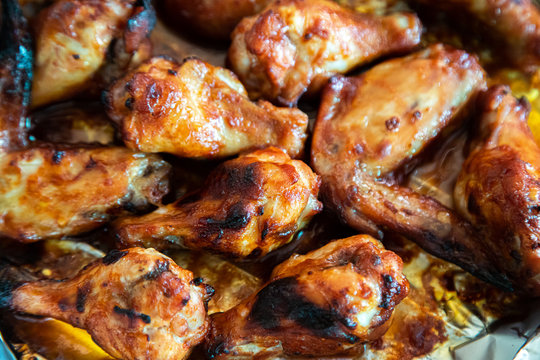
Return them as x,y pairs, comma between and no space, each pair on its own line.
498,188
295,46
370,126
248,207
136,304
324,303
83,42
512,25
214,19
53,191
198,110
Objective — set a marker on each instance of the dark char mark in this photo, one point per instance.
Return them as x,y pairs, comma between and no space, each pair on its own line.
160,267
279,300
132,314
82,294
57,157
113,256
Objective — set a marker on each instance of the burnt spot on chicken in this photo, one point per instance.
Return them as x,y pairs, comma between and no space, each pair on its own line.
113,256
132,314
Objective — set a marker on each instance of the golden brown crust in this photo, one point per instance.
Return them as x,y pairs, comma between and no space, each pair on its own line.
53,191
198,110
295,46
248,206
320,304
136,304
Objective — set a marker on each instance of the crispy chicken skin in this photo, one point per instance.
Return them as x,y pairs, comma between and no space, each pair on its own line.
198,110
53,191
322,303
370,125
248,206
136,304
74,38
295,46
15,76
498,189
513,24
213,19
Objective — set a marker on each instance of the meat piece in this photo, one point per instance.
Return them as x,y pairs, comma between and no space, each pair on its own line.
498,188
53,191
295,46
248,206
324,303
369,126
198,110
136,304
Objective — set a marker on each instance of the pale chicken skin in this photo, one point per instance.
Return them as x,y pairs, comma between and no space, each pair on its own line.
73,44
498,188
198,110
53,191
295,46
327,302
136,304
513,26
248,207
370,126
214,19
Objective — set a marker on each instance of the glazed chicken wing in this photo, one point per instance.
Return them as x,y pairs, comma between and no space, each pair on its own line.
323,303
53,191
136,304
499,189
513,25
75,40
198,110
249,206
295,46
371,125
214,19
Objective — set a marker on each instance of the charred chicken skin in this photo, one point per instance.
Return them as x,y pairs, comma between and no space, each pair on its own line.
323,303
198,110
136,304
248,206
371,125
498,189
75,40
295,46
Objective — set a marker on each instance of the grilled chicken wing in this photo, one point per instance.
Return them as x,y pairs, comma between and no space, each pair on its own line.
249,206
73,38
499,189
295,46
53,191
513,24
198,110
323,303
136,304
214,19
369,126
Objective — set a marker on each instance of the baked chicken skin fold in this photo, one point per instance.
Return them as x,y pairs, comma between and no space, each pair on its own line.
53,191
198,110
294,46
498,189
83,42
370,126
512,25
326,302
248,207
136,304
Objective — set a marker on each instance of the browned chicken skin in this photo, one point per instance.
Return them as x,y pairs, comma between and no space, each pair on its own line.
369,126
214,19
512,25
198,110
499,189
323,303
249,206
136,304
53,191
74,38
295,46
